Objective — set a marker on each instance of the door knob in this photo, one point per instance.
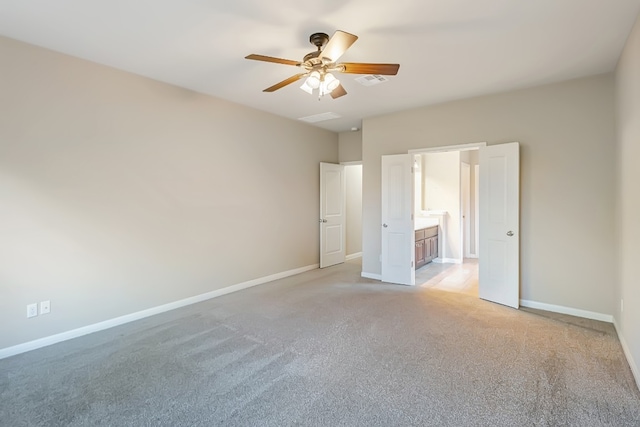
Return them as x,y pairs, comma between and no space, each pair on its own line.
509,233
384,225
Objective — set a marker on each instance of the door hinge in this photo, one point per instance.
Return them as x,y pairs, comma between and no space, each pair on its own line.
411,169
411,264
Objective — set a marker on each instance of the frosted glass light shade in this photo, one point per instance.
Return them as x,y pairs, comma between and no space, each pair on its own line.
313,81
330,82
305,87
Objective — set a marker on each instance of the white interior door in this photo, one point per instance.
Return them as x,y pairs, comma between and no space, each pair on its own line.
499,260
332,214
398,239
465,193
476,210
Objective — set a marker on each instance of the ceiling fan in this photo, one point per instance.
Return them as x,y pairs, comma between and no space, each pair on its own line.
319,65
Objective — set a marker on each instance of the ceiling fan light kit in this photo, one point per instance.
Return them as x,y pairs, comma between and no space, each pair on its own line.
313,81
320,64
325,83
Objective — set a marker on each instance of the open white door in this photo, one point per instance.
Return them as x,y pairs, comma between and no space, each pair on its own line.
398,256
465,199
499,261
332,214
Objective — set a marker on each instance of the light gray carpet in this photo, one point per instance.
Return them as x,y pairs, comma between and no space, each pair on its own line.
328,348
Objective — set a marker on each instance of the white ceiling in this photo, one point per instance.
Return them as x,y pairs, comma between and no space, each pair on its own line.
448,49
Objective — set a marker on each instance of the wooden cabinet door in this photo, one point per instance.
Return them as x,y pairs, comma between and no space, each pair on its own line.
427,250
434,247
420,246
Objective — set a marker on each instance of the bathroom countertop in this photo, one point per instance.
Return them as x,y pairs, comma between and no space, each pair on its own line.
421,223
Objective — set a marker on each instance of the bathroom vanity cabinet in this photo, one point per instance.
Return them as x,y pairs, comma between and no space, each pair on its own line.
426,245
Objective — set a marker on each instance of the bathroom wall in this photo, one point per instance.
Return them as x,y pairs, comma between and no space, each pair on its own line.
471,158
441,191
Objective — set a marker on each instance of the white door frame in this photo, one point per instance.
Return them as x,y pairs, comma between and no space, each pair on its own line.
461,147
441,149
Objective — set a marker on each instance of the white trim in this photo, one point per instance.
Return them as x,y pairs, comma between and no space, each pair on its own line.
567,310
117,321
441,149
635,370
625,348
352,163
353,256
371,276
476,208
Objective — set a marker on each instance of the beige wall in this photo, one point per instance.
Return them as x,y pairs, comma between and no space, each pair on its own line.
119,193
354,209
566,132
628,219
350,146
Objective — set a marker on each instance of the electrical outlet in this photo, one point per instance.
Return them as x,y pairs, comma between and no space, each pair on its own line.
45,307
32,310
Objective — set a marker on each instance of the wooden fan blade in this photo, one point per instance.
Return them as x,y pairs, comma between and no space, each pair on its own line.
284,83
338,92
337,45
363,68
271,59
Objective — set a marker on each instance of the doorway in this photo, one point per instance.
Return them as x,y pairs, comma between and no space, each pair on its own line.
499,242
353,175
445,196
340,212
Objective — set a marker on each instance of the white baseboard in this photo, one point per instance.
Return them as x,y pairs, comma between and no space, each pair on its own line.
567,310
74,333
353,256
594,316
371,276
625,348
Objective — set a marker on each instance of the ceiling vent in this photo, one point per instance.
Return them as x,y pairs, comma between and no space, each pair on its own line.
371,79
320,117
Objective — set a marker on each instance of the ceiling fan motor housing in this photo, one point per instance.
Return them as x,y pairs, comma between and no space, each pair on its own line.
319,39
